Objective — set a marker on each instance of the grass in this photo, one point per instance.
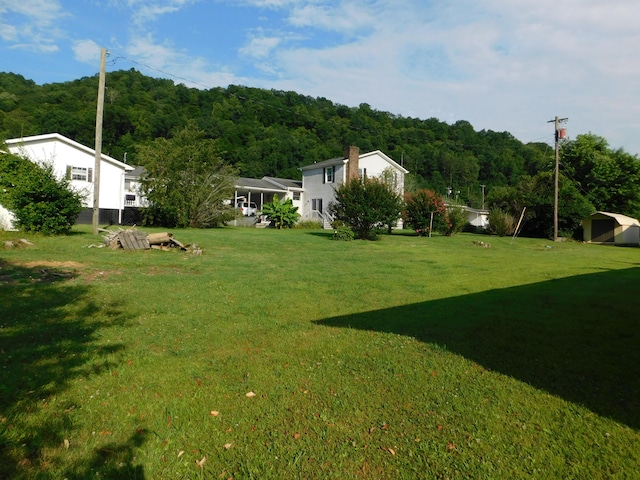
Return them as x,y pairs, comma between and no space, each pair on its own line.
402,358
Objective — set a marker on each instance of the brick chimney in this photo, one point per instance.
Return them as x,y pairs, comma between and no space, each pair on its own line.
353,155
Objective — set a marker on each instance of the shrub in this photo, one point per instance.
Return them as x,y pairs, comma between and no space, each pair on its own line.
40,201
366,205
343,232
501,223
456,221
309,225
423,207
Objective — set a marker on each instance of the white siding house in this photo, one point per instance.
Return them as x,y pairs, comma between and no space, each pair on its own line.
319,180
77,162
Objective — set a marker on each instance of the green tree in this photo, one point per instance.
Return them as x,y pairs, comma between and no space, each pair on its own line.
425,212
40,201
281,214
366,204
186,181
608,178
537,195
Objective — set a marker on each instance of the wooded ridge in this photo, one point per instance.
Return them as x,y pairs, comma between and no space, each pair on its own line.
268,132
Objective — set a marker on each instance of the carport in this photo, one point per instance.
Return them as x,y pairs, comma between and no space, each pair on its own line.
262,190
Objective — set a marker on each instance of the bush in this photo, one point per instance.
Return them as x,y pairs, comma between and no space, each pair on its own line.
456,221
501,223
421,206
309,225
366,205
343,232
40,201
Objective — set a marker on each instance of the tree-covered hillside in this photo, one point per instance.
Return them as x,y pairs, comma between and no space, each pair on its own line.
268,132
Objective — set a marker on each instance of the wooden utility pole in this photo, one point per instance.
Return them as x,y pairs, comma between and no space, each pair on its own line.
98,144
556,121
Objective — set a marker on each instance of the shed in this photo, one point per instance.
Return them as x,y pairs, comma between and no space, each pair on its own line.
612,229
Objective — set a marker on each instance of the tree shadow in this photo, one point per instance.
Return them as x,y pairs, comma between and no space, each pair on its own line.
576,337
112,461
49,336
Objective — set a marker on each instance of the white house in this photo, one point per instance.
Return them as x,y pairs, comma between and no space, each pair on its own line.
77,162
319,180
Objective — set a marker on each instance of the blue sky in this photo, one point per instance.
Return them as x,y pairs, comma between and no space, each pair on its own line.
503,65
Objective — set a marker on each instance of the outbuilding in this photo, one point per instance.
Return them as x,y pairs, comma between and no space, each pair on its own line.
611,229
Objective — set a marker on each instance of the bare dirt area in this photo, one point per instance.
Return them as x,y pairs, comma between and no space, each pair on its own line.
48,271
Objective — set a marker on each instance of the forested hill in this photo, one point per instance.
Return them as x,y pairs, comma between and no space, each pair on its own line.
267,132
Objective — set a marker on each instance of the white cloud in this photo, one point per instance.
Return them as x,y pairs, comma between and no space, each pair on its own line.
505,65
260,45
86,51
31,24
146,11
164,60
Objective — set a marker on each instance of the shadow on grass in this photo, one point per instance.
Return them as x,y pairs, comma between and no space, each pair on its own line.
577,337
49,336
113,461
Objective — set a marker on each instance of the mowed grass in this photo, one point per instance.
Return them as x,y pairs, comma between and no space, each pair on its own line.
284,354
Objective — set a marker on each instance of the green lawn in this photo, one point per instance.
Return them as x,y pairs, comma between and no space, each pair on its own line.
402,358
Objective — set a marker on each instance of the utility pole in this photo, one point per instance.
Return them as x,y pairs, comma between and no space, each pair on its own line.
98,144
559,134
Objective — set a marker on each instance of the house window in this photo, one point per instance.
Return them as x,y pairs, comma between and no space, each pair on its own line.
362,172
329,174
83,174
316,204
296,195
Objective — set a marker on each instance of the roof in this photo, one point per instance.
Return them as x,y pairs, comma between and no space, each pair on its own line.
363,156
326,163
61,138
621,219
284,183
136,172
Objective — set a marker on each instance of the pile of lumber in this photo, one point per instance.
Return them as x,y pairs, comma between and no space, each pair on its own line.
132,239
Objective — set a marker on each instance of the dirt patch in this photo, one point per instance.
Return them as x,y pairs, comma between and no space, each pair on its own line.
48,271
44,264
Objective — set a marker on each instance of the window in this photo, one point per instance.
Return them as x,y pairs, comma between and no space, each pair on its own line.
316,204
296,195
329,174
83,174
362,172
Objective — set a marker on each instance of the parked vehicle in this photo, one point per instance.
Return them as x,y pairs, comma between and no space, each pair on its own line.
249,209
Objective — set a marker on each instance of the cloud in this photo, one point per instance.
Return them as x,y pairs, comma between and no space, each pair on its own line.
147,11
165,60
260,45
31,24
86,51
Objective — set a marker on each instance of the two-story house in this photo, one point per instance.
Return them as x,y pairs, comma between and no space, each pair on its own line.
319,180
76,162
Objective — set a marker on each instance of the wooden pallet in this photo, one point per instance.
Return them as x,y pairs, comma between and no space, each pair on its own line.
133,240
